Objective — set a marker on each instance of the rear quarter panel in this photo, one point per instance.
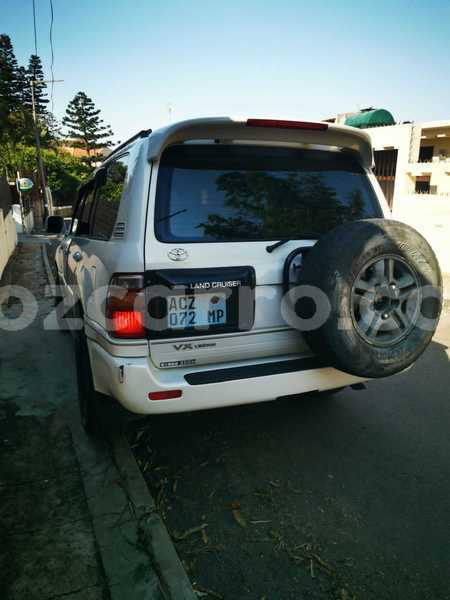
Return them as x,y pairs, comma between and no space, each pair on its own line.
102,259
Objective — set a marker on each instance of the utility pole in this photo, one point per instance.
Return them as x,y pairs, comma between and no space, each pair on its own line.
38,150
34,82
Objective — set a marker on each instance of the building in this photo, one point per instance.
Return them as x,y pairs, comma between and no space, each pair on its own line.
69,146
413,159
412,165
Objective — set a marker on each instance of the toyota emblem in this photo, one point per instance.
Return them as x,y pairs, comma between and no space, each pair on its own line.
177,254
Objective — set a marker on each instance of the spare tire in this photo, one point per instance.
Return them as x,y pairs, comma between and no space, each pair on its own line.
381,287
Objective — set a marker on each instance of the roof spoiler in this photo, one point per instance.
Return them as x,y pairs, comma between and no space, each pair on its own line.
226,129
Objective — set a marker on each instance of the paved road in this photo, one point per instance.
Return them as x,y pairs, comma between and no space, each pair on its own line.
68,526
344,496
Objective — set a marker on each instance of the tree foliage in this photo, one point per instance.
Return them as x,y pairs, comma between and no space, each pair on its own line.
64,173
9,93
84,124
9,84
36,76
16,124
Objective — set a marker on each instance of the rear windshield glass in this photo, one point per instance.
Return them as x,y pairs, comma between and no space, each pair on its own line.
218,193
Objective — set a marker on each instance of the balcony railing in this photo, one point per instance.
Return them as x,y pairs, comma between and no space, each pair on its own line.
424,196
435,166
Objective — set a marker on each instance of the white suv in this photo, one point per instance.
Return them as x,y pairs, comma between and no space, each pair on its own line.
192,279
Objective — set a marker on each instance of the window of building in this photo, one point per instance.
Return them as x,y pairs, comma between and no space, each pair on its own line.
422,185
426,153
108,198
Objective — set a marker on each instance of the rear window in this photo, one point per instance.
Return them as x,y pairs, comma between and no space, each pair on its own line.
218,193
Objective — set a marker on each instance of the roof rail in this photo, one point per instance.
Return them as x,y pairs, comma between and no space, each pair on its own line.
141,134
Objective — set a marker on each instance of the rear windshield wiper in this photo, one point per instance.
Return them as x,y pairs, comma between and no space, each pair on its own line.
276,245
174,214
305,236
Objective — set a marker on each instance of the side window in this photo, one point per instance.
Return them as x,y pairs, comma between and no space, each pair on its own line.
80,223
108,198
83,224
76,216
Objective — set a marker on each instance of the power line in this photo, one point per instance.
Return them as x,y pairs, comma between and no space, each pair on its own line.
34,25
53,54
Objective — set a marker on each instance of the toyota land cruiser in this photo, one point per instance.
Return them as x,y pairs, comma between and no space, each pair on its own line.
218,262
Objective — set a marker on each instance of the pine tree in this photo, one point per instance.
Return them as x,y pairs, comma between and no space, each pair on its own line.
36,74
21,121
84,124
51,131
9,89
23,81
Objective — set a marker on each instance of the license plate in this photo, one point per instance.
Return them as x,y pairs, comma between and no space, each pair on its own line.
200,310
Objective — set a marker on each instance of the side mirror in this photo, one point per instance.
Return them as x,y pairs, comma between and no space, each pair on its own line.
55,225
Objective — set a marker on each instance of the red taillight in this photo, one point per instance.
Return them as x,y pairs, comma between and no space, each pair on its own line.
125,306
281,124
165,395
126,323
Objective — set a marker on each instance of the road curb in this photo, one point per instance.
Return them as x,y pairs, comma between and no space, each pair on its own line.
46,262
127,567
153,533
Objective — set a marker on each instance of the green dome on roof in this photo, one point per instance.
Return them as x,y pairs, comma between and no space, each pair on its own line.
378,117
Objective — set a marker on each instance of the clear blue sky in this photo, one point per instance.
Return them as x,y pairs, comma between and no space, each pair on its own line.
280,58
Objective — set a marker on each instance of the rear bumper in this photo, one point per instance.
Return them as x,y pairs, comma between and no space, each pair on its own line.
129,380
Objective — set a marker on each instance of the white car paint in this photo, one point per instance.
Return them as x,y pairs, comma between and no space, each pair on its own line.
128,370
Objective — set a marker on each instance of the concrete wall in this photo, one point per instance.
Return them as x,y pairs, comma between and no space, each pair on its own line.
437,172
63,211
8,238
398,137
28,218
430,215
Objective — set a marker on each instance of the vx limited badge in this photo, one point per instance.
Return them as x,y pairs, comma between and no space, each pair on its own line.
177,254
179,347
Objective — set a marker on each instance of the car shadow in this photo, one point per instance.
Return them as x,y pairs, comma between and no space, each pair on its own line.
361,476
